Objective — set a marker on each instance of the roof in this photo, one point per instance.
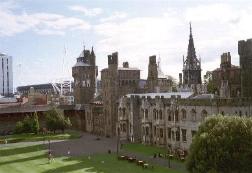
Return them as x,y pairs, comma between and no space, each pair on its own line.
165,95
38,86
204,96
81,64
8,100
130,68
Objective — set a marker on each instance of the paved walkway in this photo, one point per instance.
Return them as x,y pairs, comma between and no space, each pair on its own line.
86,145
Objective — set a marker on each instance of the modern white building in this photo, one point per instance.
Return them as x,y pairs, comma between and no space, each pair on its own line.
6,75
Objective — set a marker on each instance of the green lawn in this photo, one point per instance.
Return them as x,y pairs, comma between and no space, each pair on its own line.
33,158
39,137
143,149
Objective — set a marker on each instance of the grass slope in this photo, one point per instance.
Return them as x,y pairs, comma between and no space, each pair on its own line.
33,158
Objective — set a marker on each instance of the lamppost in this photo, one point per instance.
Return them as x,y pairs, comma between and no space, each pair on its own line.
118,138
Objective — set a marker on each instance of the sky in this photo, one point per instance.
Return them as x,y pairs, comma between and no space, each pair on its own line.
45,37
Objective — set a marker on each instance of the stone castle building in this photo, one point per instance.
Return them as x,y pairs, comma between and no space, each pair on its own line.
171,119
226,78
85,73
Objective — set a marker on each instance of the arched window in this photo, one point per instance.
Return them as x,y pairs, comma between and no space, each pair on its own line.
183,111
160,115
203,115
146,113
176,115
193,115
169,114
124,111
154,114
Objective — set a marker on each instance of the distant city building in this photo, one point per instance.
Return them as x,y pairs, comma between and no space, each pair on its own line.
6,75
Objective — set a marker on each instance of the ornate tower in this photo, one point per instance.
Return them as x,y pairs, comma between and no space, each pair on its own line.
245,52
152,79
191,66
85,73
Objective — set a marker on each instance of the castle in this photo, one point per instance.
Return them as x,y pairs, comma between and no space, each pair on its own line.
149,111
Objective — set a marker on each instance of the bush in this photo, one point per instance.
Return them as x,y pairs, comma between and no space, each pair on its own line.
55,120
30,124
222,144
19,127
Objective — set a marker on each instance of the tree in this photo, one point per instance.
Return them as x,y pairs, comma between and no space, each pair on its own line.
55,120
222,144
208,80
30,124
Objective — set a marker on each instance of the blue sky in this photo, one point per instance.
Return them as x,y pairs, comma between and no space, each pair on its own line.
45,36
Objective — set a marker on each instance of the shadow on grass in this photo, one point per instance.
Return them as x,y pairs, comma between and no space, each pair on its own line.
73,167
21,150
23,159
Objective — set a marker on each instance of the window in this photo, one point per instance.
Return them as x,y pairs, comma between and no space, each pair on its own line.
183,135
183,114
176,116
203,115
169,133
147,131
177,135
193,115
169,114
161,133
160,115
146,113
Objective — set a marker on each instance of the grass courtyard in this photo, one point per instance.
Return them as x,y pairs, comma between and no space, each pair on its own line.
33,158
143,149
39,137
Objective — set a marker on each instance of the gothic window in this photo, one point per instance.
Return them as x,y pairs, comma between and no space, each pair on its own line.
183,114
161,133
169,114
203,115
146,113
123,112
193,115
177,135
160,115
83,83
169,133
147,131
183,135
176,115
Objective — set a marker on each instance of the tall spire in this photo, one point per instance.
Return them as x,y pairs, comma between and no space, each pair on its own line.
191,54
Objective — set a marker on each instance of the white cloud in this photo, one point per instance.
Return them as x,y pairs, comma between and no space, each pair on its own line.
216,29
86,11
42,23
115,16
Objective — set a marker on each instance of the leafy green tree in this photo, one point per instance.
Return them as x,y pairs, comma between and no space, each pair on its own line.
223,144
55,120
34,123
208,80
19,127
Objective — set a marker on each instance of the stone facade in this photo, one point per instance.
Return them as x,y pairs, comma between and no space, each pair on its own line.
85,73
245,52
171,119
226,79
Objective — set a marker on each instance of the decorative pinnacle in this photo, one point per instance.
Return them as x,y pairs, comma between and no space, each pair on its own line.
190,28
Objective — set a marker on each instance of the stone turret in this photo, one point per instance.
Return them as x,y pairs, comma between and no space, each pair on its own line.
245,52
